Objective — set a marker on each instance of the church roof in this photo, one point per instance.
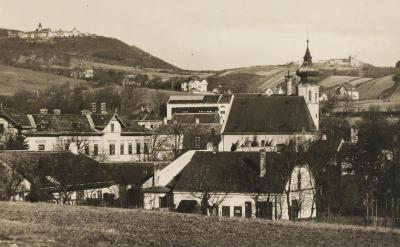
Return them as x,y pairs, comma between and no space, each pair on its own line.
268,114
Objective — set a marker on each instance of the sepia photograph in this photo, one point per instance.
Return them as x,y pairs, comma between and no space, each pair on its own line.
208,123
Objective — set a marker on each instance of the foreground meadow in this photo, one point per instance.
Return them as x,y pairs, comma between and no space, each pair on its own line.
24,224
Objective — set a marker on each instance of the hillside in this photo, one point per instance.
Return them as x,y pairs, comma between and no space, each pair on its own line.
60,51
13,79
39,224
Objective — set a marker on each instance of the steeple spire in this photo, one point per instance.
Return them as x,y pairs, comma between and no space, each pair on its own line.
306,69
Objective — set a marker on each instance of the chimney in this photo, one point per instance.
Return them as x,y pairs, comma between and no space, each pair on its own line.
56,111
289,84
103,108
263,162
94,108
43,111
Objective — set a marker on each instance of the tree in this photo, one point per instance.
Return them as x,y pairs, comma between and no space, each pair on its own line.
16,141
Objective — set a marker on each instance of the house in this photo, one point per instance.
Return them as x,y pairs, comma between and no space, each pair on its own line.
237,184
195,104
323,97
104,136
69,177
195,86
130,80
347,93
12,121
145,119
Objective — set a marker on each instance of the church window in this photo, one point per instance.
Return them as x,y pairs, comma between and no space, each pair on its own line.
309,95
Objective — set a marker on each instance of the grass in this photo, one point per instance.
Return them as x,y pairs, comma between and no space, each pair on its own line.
12,79
42,224
375,89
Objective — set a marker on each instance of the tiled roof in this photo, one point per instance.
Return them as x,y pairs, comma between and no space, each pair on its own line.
101,120
63,124
76,169
268,114
194,99
232,172
16,118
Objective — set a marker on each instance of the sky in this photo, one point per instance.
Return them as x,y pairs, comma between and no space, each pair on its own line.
221,34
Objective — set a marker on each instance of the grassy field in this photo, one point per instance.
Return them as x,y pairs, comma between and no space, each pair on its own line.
24,224
12,79
375,89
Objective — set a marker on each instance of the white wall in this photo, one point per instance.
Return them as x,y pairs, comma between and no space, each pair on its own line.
227,140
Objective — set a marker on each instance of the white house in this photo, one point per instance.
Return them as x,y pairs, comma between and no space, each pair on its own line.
347,93
198,104
104,136
238,184
195,86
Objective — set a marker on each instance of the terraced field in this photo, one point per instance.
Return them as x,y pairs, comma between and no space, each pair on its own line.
378,88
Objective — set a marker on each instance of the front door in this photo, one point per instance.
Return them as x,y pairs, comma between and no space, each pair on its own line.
248,210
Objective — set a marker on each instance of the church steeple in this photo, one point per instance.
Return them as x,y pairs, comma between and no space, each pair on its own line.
306,69
307,57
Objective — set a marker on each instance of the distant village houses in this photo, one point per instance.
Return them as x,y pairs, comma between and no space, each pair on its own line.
347,93
350,61
195,86
46,33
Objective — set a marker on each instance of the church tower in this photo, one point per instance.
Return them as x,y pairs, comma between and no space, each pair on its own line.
307,87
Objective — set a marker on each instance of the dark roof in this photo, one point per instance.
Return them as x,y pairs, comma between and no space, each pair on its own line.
75,170
188,207
268,114
100,121
212,117
17,118
225,98
232,172
63,124
196,99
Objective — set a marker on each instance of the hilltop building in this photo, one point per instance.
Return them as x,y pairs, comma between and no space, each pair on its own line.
348,62
47,33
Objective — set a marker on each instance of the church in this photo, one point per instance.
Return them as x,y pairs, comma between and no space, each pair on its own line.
258,120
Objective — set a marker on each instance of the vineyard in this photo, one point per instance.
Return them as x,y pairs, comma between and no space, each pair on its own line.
40,224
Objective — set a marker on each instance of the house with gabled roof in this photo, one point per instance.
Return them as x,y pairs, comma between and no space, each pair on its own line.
104,136
74,178
237,184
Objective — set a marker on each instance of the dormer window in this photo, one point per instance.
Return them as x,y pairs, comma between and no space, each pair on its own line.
112,127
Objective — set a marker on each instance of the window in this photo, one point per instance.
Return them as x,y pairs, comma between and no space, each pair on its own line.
122,148
2,129
87,149
162,202
316,97
99,194
309,95
112,149
138,148
146,148
299,180
112,127
237,211
41,147
96,149
226,211
196,142
130,148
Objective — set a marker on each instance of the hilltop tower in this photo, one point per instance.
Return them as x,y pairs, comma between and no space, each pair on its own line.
307,86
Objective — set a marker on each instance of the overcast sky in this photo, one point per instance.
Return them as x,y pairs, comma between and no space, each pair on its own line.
217,34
